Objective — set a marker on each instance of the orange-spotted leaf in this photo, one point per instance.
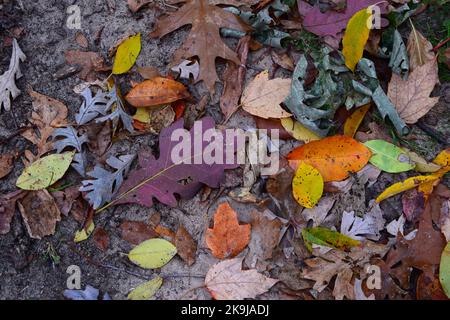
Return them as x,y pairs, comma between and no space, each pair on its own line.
307,185
156,92
354,121
334,157
227,238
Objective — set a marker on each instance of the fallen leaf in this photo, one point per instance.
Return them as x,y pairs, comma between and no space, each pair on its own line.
182,177
146,290
388,157
227,281
40,213
262,97
408,184
136,232
126,54
283,60
319,213
81,40
367,227
148,72
413,203
47,115
6,164
443,158
8,209
411,97
307,185
153,119
204,39
329,238
422,165
135,5
153,253
101,239
334,157
187,68
227,238
45,171
186,246
234,78
89,293
376,133
8,86
354,121
355,37
155,92
90,63
444,270
66,198
420,50
298,131
84,233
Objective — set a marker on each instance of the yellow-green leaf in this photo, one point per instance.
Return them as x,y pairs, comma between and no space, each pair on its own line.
45,171
307,185
354,121
408,184
153,253
146,290
355,37
422,165
388,157
298,131
84,233
127,53
327,237
444,270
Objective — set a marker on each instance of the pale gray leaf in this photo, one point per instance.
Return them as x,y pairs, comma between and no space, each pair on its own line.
118,114
69,137
92,107
186,68
399,61
105,184
8,86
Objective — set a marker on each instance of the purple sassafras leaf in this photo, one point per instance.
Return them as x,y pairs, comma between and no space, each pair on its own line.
331,23
169,178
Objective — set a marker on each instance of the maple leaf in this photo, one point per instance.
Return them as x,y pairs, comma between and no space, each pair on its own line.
204,39
227,281
411,97
163,178
227,238
7,80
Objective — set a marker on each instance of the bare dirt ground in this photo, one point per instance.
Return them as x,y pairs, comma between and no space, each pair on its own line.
36,269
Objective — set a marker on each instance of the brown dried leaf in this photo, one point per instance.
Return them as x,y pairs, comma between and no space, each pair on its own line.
8,208
81,40
186,246
66,198
6,164
136,232
40,213
420,50
90,63
101,239
411,97
204,39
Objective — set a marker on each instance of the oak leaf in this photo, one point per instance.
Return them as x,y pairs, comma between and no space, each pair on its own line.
227,238
204,40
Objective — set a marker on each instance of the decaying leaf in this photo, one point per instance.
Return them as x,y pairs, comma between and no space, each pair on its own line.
227,281
8,209
411,97
262,97
155,92
307,185
101,239
136,232
204,39
153,253
146,290
368,227
45,171
334,157
105,184
8,86
6,164
328,238
186,246
227,238
40,213
90,63
420,50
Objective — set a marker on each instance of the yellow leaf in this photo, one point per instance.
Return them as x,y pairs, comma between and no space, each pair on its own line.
153,253
354,121
142,115
443,159
355,37
307,185
421,164
298,131
45,171
84,233
408,184
126,55
147,290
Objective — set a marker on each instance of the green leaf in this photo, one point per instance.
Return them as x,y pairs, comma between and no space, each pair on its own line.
146,290
126,55
388,157
444,270
45,171
153,253
329,238
355,37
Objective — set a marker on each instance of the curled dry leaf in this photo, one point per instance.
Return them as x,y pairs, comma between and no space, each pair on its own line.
227,238
334,157
40,213
227,281
262,97
156,92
